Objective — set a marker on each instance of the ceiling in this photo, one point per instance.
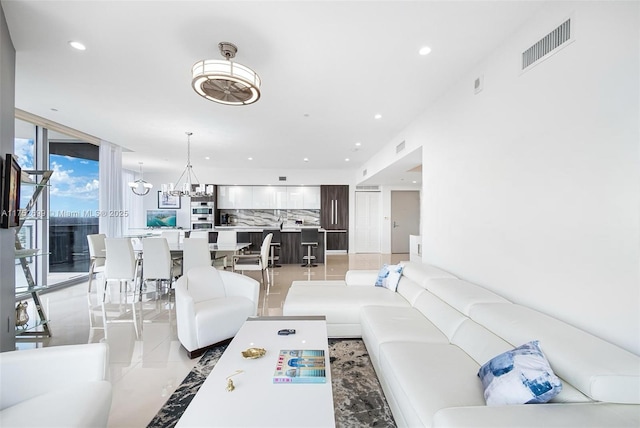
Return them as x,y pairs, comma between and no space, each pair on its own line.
327,68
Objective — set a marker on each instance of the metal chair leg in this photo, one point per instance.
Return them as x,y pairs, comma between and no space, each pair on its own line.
93,264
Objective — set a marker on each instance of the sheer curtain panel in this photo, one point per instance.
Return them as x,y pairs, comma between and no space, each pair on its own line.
111,190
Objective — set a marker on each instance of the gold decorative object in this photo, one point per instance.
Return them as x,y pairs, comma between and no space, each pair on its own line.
22,317
254,353
230,385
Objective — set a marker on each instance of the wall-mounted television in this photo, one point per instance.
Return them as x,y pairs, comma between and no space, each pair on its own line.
10,193
161,218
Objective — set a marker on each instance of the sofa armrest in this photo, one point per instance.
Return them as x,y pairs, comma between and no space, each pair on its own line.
241,286
29,373
585,415
361,277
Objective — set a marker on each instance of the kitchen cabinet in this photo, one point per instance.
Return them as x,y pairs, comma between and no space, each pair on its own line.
334,209
337,241
261,196
269,197
303,197
311,198
295,197
235,197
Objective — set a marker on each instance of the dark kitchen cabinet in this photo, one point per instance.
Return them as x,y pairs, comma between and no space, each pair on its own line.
334,216
337,240
334,207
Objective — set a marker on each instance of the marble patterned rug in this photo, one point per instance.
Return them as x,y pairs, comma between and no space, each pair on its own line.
357,396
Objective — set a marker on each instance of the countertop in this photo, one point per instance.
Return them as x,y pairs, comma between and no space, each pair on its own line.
261,228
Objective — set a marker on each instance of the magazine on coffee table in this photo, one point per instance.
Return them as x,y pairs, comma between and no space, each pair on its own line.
300,366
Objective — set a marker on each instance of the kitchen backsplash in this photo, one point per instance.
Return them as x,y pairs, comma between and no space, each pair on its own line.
271,218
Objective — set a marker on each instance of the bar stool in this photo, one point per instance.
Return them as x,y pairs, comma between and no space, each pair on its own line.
275,246
309,239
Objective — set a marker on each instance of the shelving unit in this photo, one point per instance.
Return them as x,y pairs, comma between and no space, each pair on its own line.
31,290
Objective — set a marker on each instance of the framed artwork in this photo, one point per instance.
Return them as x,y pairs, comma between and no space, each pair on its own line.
166,201
11,193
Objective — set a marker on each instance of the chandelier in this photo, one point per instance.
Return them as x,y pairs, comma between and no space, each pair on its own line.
225,81
190,186
140,187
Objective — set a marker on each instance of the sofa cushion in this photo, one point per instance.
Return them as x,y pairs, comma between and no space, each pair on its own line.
340,305
81,405
400,324
599,369
443,316
415,276
462,295
519,376
389,276
329,283
381,324
360,277
480,343
584,415
426,377
422,272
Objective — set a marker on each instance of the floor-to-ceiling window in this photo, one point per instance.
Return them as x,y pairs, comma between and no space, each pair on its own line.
73,205
67,210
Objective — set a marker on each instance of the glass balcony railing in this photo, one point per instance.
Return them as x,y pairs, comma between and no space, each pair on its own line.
68,246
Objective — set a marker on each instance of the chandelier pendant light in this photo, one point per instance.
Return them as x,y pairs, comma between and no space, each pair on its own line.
191,186
225,81
140,187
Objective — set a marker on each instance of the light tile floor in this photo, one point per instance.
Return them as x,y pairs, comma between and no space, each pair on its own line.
147,363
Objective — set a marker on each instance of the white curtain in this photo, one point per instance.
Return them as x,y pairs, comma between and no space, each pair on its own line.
111,202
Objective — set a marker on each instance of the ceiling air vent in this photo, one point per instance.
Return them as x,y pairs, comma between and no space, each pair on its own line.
282,178
364,172
367,188
400,147
548,44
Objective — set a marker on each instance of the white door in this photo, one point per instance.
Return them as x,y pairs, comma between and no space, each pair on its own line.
367,235
405,219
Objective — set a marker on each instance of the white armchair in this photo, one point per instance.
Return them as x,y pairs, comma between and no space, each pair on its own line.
60,386
211,306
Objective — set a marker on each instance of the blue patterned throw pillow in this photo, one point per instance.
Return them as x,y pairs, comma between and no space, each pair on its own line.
389,276
520,376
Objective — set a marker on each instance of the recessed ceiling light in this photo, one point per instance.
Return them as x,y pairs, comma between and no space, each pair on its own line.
77,45
347,159
378,116
306,159
414,182
425,50
207,157
250,158
358,144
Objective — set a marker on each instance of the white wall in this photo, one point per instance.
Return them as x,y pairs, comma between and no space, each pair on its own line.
531,188
7,254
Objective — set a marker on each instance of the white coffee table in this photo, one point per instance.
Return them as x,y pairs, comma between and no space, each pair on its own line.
256,400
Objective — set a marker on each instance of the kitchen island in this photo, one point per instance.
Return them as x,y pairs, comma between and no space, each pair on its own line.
291,251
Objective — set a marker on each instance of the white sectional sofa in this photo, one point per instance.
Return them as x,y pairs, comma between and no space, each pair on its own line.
428,340
59,386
